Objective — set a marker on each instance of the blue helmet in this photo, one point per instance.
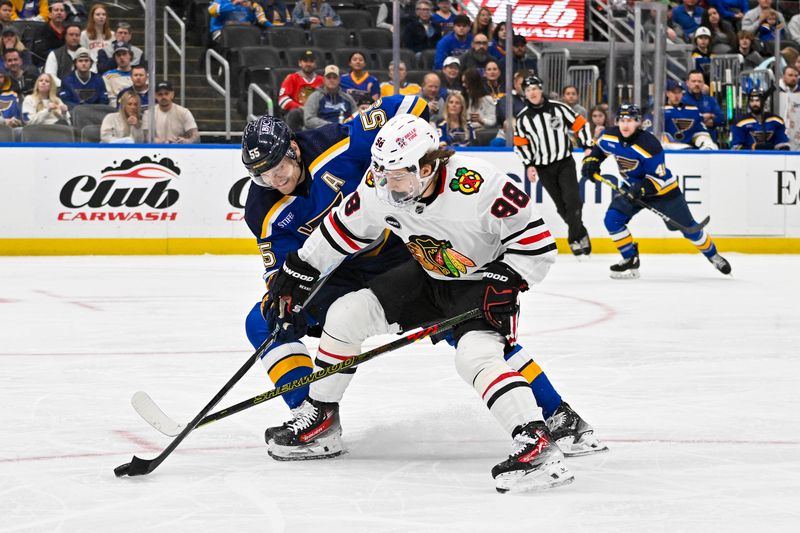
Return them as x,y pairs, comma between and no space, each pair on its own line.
629,110
265,142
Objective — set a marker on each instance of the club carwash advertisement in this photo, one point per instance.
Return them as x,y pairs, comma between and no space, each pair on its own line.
539,20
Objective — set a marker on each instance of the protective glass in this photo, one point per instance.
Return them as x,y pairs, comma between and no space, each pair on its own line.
399,187
275,177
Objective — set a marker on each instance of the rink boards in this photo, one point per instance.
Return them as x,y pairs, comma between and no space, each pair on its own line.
74,199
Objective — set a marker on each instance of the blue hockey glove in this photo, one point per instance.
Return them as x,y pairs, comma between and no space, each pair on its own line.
637,192
590,167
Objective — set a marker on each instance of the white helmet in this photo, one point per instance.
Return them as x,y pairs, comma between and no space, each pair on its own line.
399,146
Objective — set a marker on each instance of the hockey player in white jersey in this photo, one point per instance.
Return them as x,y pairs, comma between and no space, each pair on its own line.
477,241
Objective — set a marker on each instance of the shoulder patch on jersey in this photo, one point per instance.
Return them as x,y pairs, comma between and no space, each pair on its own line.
438,256
466,181
369,181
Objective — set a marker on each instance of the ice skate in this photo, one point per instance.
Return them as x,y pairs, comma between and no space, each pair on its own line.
582,248
270,431
573,436
535,464
314,432
721,264
627,268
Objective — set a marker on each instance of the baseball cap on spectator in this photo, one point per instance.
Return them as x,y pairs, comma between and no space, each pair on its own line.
308,55
164,86
122,25
672,85
331,69
701,32
452,60
10,30
82,53
121,46
461,19
518,40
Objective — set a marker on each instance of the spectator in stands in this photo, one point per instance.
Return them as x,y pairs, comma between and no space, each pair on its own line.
23,77
358,82
119,79
224,12
363,102
44,106
315,13
483,23
6,13
61,61
701,55
421,33
444,16
497,44
52,35
760,129
97,34
174,124
521,60
432,93
451,75
755,17
140,86
708,106
296,88
480,104
598,121
276,12
788,83
751,57
406,88
687,16
124,126
9,40
723,36
385,13
518,98
493,80
105,57
30,10
768,29
82,86
10,112
731,10
478,55
454,128
329,103
454,44
570,96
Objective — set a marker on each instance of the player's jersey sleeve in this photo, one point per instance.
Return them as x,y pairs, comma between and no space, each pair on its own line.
367,123
348,229
526,243
653,165
577,125
739,135
265,213
779,137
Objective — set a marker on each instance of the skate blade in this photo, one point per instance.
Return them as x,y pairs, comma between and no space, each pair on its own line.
550,476
628,274
583,258
586,444
320,449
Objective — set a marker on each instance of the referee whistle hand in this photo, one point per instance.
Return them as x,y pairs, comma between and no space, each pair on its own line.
531,174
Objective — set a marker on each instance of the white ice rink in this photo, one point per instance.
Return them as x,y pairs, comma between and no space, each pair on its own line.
691,378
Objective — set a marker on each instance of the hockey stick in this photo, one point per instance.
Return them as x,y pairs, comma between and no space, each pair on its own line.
139,467
665,218
166,425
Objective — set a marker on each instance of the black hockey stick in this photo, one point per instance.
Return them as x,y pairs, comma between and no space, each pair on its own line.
335,369
139,467
665,218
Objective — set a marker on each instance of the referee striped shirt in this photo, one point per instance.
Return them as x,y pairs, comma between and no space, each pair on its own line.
542,133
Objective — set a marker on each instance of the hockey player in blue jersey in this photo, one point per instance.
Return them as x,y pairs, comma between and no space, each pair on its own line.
759,130
298,179
683,123
640,159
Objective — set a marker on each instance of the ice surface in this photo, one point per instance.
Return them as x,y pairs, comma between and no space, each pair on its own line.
691,377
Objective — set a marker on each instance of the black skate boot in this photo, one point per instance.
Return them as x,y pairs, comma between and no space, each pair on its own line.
314,432
572,434
720,263
270,431
582,248
627,268
535,464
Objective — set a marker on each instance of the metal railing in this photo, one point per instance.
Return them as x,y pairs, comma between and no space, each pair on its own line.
252,90
224,91
553,69
585,80
179,49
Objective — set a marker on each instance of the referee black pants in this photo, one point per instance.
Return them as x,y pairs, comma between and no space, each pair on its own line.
561,182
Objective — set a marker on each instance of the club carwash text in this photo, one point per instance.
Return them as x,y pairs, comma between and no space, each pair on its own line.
559,20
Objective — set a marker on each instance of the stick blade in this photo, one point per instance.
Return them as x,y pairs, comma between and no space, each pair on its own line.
122,470
151,413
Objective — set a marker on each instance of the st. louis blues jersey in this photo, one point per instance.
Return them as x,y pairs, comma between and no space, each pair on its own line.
750,133
334,159
684,124
476,215
639,158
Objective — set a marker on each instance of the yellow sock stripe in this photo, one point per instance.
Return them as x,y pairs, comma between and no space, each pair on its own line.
288,363
706,245
530,371
624,242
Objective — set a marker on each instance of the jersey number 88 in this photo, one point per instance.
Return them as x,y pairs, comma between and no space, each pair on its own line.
511,202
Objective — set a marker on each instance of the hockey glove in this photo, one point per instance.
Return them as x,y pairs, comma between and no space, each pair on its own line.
292,286
499,300
644,188
590,167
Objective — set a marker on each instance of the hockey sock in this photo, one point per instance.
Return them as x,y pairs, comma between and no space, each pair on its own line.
703,241
547,398
285,363
623,240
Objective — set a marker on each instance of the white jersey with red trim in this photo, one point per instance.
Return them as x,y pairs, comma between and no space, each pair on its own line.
476,215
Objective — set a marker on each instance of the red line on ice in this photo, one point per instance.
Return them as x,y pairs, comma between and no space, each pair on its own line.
608,313
137,440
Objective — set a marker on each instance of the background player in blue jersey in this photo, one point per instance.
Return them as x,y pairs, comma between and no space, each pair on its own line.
298,179
683,122
759,130
641,162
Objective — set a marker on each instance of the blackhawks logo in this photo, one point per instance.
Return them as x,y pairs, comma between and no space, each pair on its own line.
466,181
438,256
370,179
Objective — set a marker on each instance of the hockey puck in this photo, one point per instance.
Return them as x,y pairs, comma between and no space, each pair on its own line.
122,470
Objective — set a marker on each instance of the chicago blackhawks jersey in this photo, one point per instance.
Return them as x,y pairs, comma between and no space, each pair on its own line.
476,215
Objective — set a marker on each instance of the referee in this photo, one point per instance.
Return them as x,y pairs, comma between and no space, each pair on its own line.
542,139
